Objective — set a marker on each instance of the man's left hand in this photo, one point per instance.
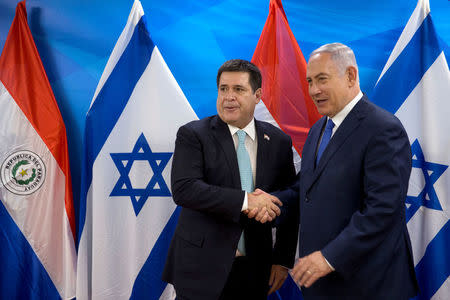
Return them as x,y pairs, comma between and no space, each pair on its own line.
310,268
278,275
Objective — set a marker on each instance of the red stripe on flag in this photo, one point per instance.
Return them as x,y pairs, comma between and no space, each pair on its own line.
23,75
283,68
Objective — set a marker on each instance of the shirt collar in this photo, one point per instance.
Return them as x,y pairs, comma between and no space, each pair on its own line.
340,116
249,129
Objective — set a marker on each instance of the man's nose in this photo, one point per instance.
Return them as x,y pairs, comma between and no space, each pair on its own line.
230,95
313,89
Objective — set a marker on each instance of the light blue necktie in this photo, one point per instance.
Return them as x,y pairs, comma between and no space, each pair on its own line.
325,139
245,172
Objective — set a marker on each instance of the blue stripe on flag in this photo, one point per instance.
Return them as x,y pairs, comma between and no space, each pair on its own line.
391,91
148,284
111,101
22,276
434,268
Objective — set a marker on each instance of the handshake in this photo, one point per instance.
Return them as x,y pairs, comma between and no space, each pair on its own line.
262,206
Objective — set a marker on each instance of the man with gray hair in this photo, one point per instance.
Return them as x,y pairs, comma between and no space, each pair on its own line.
356,162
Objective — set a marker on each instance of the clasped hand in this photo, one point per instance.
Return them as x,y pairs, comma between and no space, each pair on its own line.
263,206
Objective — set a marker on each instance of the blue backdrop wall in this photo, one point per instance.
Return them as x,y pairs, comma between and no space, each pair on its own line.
75,39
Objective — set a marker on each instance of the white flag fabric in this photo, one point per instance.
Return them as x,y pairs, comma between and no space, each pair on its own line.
127,215
415,85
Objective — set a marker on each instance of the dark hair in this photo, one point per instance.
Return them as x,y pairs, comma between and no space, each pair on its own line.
240,65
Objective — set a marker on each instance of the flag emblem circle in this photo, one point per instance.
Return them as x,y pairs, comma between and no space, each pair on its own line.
23,172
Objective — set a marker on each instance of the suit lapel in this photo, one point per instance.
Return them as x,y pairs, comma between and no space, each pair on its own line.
309,152
350,123
221,133
262,152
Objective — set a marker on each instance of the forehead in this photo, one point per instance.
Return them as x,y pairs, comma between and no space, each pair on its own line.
320,63
234,78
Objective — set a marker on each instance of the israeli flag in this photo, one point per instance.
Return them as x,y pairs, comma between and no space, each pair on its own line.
127,215
415,85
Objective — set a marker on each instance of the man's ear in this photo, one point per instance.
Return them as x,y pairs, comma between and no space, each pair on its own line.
258,94
352,75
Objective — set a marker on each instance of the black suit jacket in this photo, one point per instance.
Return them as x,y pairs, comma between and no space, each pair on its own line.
206,183
352,207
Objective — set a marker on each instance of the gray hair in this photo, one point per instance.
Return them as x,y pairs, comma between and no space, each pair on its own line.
342,55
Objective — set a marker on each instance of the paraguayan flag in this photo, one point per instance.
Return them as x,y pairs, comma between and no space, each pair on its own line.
37,220
415,85
127,215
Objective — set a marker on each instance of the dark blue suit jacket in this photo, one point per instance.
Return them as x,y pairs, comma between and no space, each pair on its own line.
206,183
352,207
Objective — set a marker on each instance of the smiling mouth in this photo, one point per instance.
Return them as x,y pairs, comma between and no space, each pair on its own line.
319,101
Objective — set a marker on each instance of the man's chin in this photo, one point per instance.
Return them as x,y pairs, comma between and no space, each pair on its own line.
230,120
323,112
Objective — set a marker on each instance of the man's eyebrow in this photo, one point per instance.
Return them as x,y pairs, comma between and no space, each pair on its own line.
317,75
234,86
321,74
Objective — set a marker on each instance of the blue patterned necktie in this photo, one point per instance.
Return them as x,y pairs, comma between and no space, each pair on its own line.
245,172
325,139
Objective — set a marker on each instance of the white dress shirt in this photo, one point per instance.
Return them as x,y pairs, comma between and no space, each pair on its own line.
340,116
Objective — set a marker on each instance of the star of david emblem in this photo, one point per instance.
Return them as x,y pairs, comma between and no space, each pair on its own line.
431,172
156,186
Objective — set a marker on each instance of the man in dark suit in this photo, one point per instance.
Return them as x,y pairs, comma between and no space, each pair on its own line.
217,163
356,162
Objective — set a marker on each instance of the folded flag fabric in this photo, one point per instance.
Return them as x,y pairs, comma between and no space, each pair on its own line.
415,85
37,222
127,215
285,100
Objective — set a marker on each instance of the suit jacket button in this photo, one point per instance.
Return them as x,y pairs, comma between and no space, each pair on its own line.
306,199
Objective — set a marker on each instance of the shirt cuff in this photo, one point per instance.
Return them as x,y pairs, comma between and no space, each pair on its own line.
245,204
331,267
